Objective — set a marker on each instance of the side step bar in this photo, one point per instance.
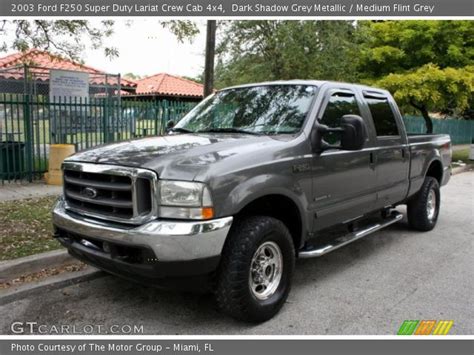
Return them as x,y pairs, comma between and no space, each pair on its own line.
349,238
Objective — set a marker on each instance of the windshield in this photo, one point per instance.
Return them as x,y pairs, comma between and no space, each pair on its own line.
269,109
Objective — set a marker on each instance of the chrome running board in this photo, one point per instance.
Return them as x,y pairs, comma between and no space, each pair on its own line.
349,238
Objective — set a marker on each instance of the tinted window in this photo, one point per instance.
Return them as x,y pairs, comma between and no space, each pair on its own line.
384,119
338,106
267,109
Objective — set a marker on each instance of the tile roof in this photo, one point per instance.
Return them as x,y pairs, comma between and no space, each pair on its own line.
166,84
45,61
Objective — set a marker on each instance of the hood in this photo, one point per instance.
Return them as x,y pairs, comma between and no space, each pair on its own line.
180,156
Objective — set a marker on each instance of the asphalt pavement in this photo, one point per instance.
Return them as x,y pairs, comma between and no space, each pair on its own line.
368,287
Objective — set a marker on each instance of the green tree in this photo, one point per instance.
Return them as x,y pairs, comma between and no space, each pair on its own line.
430,88
60,37
182,29
68,37
132,76
427,65
250,51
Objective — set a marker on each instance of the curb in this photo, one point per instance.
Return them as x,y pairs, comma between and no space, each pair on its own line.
23,191
51,283
461,169
12,269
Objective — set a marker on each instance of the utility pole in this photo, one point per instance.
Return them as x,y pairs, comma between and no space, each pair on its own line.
210,52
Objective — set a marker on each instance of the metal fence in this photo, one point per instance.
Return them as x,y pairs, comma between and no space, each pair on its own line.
461,131
30,123
35,80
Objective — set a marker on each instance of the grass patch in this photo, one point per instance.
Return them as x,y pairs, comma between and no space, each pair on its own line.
26,228
463,155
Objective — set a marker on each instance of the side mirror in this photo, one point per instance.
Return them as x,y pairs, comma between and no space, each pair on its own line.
353,133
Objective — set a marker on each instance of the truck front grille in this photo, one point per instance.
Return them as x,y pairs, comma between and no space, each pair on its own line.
110,192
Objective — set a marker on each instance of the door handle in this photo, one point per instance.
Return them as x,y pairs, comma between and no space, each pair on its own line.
372,160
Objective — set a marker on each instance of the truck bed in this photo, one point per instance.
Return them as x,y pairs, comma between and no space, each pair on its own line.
424,148
428,138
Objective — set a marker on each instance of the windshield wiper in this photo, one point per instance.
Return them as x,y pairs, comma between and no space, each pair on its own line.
228,130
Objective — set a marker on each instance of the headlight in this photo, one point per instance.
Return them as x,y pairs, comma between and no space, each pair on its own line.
185,200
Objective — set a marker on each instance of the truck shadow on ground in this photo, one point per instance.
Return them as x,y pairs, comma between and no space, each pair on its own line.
112,300
359,251
174,308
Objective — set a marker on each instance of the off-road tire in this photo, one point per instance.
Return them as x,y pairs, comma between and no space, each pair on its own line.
233,291
417,207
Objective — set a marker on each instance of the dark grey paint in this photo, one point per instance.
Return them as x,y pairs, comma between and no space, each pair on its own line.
328,188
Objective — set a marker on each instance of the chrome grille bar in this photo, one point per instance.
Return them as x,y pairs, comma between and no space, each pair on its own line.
101,201
115,193
98,184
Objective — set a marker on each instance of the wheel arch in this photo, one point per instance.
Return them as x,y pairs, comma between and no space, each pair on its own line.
281,207
435,170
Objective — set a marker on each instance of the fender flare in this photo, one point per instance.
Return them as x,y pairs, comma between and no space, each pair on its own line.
265,185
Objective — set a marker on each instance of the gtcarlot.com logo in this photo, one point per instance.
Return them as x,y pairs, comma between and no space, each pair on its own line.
425,327
84,329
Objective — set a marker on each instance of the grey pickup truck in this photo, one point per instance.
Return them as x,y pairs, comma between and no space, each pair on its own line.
251,179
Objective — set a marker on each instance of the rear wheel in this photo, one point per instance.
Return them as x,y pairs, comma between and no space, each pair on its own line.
257,264
423,208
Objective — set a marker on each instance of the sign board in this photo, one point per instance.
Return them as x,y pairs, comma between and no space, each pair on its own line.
66,87
69,84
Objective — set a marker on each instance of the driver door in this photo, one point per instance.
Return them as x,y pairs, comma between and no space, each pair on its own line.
343,181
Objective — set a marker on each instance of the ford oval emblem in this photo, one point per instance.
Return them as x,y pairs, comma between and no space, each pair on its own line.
90,192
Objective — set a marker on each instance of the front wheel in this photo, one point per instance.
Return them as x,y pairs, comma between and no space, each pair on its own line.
257,264
423,208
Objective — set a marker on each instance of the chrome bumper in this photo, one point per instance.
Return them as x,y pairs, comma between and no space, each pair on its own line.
170,240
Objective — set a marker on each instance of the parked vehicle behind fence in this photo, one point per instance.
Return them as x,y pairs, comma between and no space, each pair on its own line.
251,179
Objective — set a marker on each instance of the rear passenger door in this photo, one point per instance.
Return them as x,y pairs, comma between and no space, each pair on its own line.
391,154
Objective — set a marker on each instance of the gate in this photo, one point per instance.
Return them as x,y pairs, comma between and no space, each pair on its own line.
30,123
31,120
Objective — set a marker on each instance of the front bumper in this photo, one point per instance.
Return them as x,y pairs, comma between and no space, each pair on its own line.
157,249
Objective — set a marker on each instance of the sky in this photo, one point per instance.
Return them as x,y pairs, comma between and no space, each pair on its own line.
146,48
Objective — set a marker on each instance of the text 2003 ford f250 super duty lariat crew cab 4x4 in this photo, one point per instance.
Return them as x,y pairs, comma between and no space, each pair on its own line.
252,178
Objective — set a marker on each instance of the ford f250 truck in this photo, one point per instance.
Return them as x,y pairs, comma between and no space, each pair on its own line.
254,177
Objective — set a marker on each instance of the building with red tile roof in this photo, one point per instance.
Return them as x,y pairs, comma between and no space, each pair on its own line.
169,86
39,63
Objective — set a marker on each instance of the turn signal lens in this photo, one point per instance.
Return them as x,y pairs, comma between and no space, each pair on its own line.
186,213
207,212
